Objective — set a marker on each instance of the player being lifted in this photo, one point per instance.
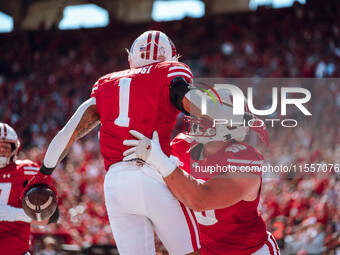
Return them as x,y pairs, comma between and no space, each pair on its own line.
14,175
225,202
146,97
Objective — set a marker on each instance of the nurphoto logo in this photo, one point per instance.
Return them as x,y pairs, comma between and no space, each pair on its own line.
239,100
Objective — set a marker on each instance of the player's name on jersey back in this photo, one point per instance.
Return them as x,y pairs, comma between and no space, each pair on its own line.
142,70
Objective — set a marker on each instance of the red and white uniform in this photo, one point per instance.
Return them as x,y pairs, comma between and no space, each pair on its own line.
136,99
14,236
238,229
139,99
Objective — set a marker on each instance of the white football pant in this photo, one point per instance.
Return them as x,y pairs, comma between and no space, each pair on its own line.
137,203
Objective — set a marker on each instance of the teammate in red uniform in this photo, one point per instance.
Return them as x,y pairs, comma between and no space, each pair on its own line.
146,97
223,187
14,175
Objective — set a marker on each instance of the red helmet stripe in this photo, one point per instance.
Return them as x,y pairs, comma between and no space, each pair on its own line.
173,48
155,47
5,130
148,45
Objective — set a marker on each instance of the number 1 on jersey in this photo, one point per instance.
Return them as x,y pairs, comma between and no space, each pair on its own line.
123,119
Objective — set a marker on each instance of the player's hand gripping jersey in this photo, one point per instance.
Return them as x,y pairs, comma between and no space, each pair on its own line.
238,229
138,99
14,236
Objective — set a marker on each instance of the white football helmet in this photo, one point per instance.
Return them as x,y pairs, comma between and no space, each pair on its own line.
204,130
8,135
151,47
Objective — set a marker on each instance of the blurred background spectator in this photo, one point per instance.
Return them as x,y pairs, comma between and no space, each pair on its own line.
49,247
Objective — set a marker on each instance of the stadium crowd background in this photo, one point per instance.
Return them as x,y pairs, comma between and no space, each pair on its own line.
44,76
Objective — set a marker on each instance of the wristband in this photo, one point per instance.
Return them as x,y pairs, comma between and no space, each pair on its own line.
46,170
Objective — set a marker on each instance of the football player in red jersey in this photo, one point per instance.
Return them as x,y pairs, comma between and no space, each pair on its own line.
221,182
146,97
14,175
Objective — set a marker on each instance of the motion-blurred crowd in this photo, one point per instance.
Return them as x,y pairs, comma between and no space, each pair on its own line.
45,75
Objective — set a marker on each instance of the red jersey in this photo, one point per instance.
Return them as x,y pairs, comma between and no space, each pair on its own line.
14,236
136,99
238,229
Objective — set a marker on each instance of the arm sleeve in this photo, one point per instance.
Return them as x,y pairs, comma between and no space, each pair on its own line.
60,141
178,88
178,78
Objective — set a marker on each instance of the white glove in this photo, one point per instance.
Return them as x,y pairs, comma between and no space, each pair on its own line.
10,213
150,151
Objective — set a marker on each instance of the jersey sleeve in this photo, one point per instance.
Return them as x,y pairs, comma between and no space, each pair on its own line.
102,80
241,157
179,69
28,168
179,145
171,70
94,92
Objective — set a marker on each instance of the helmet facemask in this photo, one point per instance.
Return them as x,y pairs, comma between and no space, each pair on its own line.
203,130
196,126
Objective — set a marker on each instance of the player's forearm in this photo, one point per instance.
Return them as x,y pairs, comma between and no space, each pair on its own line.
219,192
82,122
186,189
89,121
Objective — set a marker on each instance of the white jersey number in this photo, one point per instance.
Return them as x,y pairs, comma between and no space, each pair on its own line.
123,119
5,190
207,220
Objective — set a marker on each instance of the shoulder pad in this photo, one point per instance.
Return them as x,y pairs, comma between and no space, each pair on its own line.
27,166
180,69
